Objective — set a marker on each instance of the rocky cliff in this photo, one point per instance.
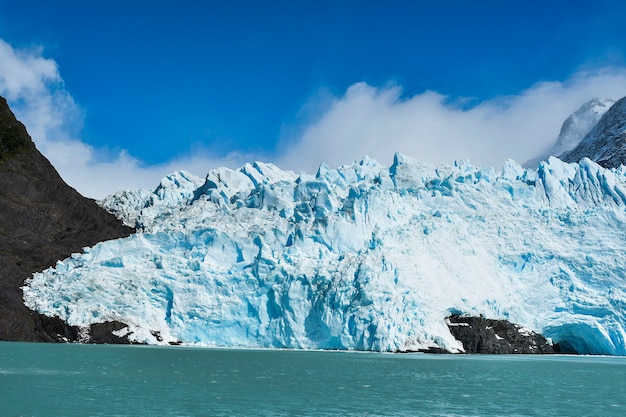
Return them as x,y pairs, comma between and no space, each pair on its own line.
42,220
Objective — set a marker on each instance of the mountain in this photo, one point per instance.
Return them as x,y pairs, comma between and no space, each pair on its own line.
42,220
606,142
575,128
365,256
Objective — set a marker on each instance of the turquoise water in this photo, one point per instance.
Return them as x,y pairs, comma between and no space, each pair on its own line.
96,380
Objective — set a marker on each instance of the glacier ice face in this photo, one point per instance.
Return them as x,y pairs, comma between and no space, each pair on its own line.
362,257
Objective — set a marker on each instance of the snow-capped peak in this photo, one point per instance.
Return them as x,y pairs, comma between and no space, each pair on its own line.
606,142
575,127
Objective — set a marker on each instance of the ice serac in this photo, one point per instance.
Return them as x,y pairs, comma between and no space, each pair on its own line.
575,128
606,142
177,189
364,256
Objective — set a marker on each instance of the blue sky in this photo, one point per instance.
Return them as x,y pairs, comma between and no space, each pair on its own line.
117,93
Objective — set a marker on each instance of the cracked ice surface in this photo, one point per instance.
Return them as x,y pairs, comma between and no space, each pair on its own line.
360,257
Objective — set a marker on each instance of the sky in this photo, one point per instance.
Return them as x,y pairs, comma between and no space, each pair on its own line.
117,94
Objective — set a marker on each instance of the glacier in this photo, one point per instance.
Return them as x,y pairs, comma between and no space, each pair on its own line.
363,257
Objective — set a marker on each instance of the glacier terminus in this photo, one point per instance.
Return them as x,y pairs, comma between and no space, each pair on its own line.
364,257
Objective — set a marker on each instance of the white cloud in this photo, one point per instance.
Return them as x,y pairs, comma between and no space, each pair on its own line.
24,74
34,89
379,121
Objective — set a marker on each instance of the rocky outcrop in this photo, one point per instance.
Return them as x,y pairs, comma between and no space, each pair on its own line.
481,335
105,333
42,220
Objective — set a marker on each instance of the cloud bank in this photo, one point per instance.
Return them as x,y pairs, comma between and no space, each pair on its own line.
365,120
430,127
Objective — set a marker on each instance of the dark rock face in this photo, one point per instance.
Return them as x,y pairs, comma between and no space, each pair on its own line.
42,220
606,142
481,335
103,333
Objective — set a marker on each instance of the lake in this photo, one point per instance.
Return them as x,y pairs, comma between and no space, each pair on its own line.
114,380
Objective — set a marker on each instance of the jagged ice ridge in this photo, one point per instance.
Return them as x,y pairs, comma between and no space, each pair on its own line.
362,257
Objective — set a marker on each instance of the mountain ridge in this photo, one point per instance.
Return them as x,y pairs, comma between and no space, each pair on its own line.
574,129
605,143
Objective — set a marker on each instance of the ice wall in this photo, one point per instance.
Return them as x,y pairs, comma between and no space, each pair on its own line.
361,257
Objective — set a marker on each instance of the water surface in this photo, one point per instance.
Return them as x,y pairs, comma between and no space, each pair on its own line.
107,380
